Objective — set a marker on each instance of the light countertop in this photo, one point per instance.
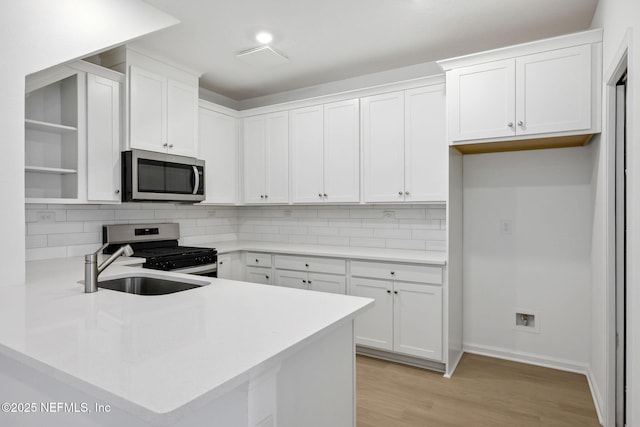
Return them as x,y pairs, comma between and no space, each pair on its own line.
372,254
153,356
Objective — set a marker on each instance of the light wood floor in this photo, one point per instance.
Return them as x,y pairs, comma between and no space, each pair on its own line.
482,392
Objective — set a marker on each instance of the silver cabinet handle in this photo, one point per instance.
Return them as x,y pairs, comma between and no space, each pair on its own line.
510,124
262,196
388,291
266,277
520,123
319,194
406,193
306,265
304,281
257,260
165,145
399,193
325,194
266,196
170,145
393,273
309,281
117,191
220,262
395,292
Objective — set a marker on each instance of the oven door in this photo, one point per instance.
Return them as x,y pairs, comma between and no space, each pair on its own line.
157,176
208,270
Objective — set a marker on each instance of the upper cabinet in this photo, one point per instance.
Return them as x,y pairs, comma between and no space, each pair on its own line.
325,153
218,147
536,95
266,158
72,135
163,107
405,148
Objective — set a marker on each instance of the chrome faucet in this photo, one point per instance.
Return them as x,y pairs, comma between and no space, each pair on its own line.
92,269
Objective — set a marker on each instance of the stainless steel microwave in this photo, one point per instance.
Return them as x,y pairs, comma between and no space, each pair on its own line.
150,176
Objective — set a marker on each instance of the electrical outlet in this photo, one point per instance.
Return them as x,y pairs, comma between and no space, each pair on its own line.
389,214
46,216
506,226
211,213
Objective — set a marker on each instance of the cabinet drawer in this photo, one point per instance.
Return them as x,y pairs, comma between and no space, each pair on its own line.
258,259
398,272
319,265
259,275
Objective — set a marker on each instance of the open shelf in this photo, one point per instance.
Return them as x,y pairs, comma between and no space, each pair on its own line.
48,127
54,171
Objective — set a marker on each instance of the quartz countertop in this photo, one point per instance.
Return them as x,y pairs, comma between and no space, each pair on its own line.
371,254
154,356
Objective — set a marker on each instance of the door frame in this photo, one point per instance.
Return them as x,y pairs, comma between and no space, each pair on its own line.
619,67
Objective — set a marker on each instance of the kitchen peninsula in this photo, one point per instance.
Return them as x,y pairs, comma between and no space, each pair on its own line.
229,353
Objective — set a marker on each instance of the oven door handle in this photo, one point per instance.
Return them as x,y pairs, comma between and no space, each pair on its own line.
198,269
196,176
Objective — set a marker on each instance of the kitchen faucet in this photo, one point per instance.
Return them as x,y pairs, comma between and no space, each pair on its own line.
92,269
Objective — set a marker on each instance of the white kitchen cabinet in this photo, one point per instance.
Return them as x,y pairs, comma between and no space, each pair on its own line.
374,327
405,146
163,113
548,89
103,139
218,147
259,275
266,158
407,316
55,138
311,273
325,153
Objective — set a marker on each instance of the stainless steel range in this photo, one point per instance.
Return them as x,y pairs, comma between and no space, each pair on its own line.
158,243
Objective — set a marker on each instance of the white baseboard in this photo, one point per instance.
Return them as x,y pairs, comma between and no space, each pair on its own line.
451,367
546,362
596,395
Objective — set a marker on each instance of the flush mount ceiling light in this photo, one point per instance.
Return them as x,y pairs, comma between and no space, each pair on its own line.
264,37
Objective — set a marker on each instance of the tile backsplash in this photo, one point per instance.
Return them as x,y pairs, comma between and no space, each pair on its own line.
54,231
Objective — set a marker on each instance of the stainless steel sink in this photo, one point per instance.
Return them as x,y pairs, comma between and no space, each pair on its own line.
140,285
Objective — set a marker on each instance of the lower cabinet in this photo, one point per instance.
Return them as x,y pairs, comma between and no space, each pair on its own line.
311,281
259,275
406,317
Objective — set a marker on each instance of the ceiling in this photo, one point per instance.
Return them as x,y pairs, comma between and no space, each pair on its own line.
330,40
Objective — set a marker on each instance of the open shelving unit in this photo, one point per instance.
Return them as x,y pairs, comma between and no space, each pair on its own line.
52,140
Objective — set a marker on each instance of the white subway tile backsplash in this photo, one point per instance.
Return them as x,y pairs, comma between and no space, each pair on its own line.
367,243
78,229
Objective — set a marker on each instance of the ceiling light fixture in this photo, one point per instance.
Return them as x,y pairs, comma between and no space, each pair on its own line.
264,37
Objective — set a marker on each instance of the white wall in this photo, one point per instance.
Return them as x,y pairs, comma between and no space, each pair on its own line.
617,17
37,34
542,266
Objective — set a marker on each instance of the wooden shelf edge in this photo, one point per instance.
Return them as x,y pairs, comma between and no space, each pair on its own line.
524,144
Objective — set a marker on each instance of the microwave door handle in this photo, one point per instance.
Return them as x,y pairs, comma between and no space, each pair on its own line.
196,176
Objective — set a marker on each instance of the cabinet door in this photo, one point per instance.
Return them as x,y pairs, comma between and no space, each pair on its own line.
553,91
103,139
224,267
342,151
254,159
426,148
417,320
327,283
182,118
374,327
218,148
292,279
383,136
259,275
481,101
307,155
147,110
277,141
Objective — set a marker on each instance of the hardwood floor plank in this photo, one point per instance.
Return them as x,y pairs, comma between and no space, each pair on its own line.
483,392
